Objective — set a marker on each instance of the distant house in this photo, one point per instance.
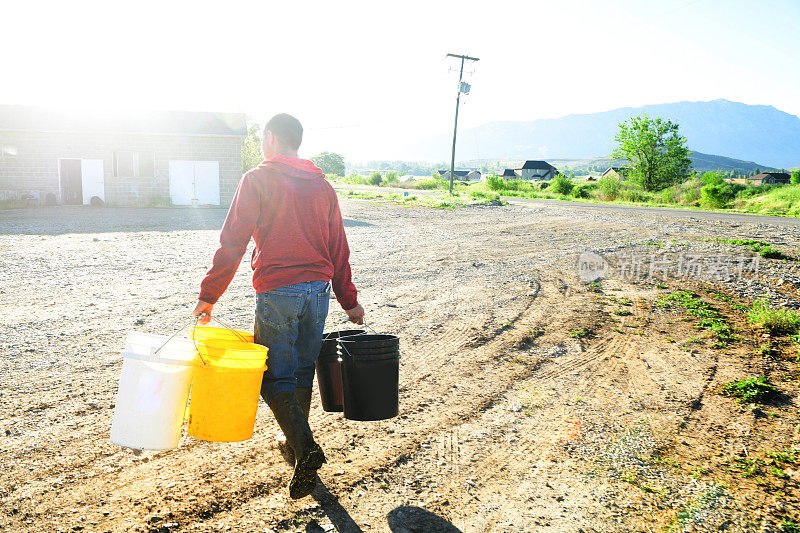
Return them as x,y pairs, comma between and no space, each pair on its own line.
617,172
536,170
463,175
768,178
509,174
164,157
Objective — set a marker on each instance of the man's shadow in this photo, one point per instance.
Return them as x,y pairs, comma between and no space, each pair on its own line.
337,514
410,519
403,519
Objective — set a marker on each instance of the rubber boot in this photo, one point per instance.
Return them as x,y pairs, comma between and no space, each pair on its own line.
310,458
304,399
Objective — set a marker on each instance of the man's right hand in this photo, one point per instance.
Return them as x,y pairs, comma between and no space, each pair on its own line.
356,314
203,311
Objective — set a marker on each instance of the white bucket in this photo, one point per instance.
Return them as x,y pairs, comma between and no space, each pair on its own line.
153,391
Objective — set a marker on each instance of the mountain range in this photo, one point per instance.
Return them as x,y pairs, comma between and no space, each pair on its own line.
741,131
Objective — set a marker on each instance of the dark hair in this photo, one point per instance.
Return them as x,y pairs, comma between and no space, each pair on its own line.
287,129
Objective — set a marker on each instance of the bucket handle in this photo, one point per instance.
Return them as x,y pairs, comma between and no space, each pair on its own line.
364,323
224,325
152,358
196,319
342,346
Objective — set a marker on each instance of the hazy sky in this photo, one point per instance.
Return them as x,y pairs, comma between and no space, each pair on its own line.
367,78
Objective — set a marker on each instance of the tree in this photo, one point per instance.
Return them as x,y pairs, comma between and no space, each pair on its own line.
656,151
795,179
251,148
330,163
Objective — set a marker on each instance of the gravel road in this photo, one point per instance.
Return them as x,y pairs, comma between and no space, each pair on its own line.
511,418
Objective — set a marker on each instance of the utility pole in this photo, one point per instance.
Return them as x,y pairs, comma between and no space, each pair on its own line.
458,101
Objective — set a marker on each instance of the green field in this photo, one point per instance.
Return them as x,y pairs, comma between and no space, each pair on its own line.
702,191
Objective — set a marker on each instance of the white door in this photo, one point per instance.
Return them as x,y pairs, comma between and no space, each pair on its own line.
181,182
92,180
206,182
194,180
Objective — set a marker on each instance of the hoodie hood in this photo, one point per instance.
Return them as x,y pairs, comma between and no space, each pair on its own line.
293,166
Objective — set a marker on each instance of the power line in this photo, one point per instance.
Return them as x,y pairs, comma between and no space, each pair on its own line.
462,88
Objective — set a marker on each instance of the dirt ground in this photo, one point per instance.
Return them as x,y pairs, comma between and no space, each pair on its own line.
530,400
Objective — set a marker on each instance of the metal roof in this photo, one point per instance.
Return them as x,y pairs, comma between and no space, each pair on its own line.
29,118
783,176
456,173
537,165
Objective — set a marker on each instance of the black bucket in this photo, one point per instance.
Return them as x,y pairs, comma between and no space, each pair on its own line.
370,376
386,353
329,371
368,342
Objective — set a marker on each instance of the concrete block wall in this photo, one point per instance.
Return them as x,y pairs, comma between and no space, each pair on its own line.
35,166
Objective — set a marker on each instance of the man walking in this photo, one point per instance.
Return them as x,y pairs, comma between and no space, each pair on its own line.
291,212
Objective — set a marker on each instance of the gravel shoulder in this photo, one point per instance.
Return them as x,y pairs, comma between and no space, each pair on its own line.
511,419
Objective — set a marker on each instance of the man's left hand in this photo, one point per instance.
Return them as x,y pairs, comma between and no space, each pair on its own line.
204,309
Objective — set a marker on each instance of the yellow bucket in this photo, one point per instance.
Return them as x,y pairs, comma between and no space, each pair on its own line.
205,333
225,390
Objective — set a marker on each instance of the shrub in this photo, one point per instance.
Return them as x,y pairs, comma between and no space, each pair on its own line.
776,321
718,195
795,178
689,191
427,184
715,177
391,178
354,179
584,190
609,187
482,194
562,184
634,194
669,195
375,178
749,192
496,183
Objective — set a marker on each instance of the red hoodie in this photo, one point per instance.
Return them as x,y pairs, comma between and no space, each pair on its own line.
293,215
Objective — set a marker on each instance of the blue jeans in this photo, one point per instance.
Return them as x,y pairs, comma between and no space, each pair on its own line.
289,321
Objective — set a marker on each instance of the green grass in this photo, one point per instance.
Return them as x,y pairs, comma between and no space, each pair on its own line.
753,390
709,318
622,312
768,200
579,333
762,248
775,321
784,200
436,201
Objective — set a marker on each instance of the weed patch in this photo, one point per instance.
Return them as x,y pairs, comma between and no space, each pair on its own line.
710,319
762,248
775,321
579,334
753,390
